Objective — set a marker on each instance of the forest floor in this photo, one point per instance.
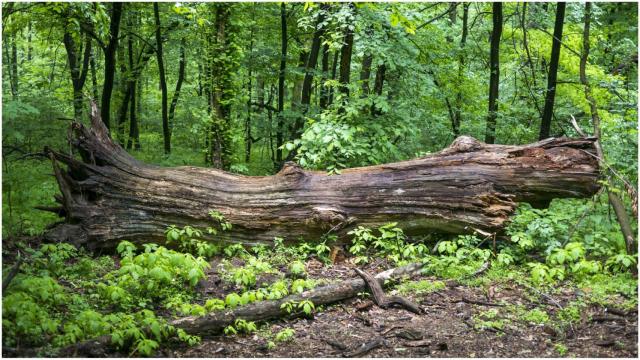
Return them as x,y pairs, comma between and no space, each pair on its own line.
497,325
492,314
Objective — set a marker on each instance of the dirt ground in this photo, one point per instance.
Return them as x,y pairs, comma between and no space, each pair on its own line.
447,328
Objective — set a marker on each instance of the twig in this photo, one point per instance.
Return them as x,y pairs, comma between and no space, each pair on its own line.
381,299
476,302
12,273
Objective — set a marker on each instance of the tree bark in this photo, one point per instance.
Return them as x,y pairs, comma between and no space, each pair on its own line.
78,70
281,76
110,196
272,309
345,58
494,79
461,61
365,74
614,200
166,130
545,125
176,93
377,87
110,62
324,90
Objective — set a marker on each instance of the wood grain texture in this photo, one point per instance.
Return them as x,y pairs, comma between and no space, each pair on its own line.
109,196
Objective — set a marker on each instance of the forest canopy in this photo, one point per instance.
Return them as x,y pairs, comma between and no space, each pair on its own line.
261,89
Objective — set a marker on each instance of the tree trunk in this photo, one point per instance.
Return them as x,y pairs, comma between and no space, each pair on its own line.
78,71
166,131
94,77
614,200
334,69
110,196
494,80
345,58
461,60
365,74
281,76
324,90
377,87
176,93
110,62
310,67
14,65
545,125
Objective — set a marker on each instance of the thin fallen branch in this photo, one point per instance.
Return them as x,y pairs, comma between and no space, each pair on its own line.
365,348
12,273
381,299
476,302
267,310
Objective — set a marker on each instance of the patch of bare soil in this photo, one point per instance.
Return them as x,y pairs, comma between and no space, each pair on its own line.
452,325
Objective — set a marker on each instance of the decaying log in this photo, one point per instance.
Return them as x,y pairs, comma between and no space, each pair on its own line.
266,310
109,196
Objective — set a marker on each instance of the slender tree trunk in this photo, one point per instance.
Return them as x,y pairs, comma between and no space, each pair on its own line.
281,76
78,67
614,200
176,93
545,126
494,80
324,90
110,62
312,61
134,132
461,62
125,90
14,64
365,74
345,58
166,129
334,70
377,87
29,45
222,81
248,139
94,77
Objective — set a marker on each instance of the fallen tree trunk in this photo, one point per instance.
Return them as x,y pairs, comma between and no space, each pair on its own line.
110,196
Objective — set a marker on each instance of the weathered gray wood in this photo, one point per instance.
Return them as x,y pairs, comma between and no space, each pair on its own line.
271,309
109,196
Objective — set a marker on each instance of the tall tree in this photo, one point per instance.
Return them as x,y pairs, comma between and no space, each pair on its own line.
182,63
324,90
78,66
110,62
166,131
545,125
457,118
281,77
614,200
345,55
494,79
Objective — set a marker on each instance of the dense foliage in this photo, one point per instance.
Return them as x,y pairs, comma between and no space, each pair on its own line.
245,87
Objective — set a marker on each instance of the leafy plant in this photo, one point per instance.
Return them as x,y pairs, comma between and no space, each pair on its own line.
285,335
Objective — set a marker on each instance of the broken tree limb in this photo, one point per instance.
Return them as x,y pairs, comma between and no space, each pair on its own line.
109,196
383,300
215,322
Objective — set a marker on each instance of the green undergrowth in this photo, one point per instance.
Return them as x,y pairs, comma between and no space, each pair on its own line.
63,295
